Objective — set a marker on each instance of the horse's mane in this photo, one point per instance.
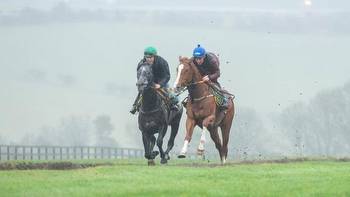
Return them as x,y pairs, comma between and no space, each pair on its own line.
141,64
184,60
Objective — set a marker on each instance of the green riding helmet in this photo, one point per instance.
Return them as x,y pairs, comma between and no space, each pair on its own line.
150,51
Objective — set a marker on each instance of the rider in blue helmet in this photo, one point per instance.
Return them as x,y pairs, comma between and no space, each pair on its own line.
208,65
198,52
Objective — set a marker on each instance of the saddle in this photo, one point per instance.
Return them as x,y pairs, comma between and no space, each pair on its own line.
220,93
165,97
167,103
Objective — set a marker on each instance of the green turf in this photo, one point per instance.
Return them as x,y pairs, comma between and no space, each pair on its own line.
183,178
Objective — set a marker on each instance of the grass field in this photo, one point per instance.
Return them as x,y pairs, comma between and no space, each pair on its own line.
183,178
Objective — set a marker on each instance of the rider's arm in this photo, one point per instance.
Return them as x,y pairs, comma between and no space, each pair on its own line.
165,72
214,67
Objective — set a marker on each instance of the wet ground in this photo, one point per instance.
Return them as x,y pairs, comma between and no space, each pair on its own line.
67,165
47,165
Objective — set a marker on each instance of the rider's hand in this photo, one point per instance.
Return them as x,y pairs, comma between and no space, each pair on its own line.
156,86
206,78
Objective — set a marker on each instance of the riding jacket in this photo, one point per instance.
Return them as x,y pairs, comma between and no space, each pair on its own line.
160,70
209,67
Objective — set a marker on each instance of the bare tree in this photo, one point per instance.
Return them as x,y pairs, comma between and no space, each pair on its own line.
75,130
104,130
248,134
72,131
2,140
322,126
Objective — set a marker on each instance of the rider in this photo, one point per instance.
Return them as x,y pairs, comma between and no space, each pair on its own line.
208,65
161,74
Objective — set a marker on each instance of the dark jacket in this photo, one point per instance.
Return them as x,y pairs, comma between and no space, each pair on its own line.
210,67
160,69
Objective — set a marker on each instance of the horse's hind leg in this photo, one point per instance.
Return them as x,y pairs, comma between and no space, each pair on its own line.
225,131
215,137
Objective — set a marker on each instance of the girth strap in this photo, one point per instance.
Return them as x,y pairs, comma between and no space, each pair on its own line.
203,97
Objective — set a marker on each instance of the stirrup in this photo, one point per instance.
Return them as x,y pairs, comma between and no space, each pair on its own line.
133,110
174,107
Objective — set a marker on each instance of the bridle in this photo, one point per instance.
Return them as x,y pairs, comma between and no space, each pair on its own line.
185,87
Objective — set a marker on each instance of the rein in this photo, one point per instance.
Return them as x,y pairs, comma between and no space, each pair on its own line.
147,112
195,83
183,89
159,107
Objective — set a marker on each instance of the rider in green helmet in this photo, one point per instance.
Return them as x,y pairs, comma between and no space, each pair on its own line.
161,74
150,51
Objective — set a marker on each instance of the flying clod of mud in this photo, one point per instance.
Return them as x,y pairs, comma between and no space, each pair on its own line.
65,165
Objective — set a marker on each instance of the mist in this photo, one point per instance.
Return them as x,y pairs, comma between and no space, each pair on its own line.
68,70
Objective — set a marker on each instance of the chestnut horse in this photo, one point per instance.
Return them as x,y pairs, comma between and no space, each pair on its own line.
202,109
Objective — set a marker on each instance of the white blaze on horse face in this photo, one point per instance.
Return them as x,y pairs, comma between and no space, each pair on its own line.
179,69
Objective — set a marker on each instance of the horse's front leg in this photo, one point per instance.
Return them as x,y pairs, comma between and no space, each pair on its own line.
152,143
148,148
190,124
160,143
174,130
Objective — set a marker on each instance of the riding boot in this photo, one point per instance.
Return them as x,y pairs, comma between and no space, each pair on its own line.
135,106
174,102
224,105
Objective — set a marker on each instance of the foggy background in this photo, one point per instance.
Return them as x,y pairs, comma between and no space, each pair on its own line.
68,70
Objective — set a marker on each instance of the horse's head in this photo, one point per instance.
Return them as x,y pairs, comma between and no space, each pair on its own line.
144,77
184,73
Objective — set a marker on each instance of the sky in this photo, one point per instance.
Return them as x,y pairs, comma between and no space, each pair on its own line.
59,69
257,4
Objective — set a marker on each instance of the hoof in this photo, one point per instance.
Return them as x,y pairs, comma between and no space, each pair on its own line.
163,161
154,154
223,161
181,156
200,152
151,162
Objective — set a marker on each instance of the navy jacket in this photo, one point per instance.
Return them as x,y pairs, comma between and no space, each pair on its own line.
160,69
210,67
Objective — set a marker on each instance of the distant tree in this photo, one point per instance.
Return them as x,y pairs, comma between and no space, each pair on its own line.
75,130
329,112
72,131
2,140
135,134
247,134
31,15
322,126
62,12
104,130
293,122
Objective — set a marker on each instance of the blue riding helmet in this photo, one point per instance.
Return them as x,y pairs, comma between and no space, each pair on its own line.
198,51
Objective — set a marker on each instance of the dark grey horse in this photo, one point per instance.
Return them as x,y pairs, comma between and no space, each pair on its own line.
154,117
